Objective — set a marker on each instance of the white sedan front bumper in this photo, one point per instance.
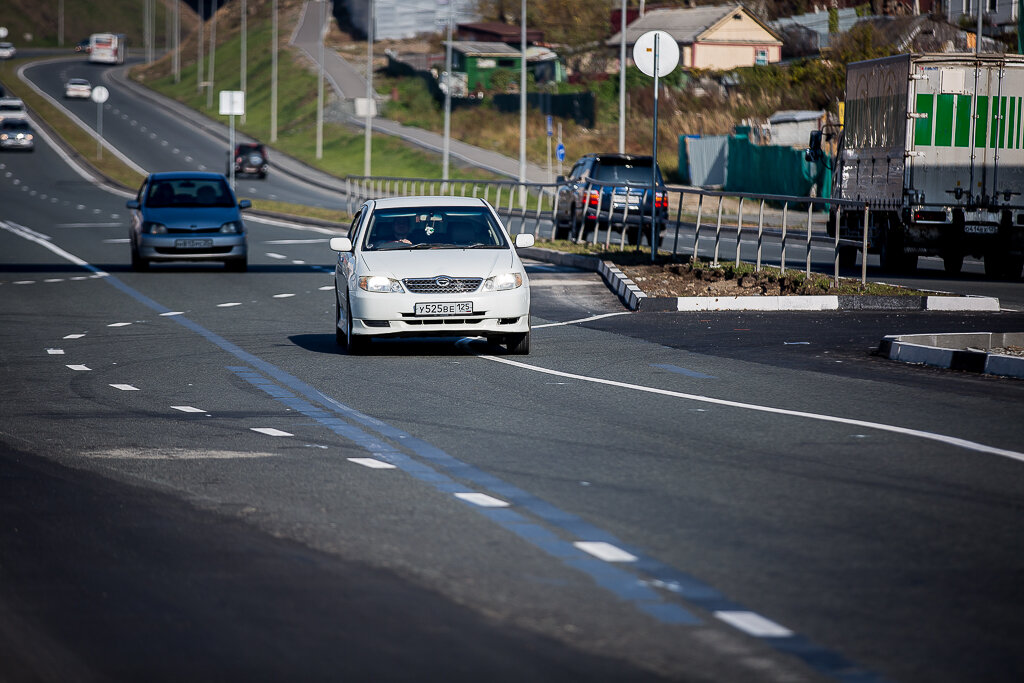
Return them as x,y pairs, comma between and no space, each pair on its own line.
394,314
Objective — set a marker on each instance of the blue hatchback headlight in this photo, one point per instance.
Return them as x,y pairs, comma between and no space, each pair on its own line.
154,228
232,228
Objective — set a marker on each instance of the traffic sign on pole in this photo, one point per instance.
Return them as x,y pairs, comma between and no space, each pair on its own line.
99,96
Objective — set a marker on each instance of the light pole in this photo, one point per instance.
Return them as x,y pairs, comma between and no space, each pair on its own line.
213,58
367,147
199,48
176,58
448,96
242,75
320,86
60,23
522,108
273,74
622,81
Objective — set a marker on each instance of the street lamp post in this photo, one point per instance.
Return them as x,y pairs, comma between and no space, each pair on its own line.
242,61
622,80
320,85
199,48
448,96
176,58
369,91
273,74
522,107
213,58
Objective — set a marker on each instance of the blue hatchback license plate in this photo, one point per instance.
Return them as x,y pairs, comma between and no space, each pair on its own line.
193,244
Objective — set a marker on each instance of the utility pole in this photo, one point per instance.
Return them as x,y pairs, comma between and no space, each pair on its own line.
622,81
199,48
213,58
448,96
367,147
242,61
176,32
320,85
522,107
273,74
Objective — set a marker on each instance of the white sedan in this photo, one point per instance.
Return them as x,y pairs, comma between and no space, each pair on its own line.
78,87
431,266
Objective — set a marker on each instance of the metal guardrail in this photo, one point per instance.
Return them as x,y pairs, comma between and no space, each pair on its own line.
537,204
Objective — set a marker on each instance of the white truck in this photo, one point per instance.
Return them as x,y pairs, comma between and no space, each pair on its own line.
935,144
108,48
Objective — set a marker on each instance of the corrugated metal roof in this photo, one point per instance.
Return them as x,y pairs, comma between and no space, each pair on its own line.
476,48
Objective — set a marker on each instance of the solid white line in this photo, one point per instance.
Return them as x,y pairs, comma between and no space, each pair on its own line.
372,463
79,368
605,551
188,409
125,387
270,431
580,320
482,499
931,436
55,352
754,624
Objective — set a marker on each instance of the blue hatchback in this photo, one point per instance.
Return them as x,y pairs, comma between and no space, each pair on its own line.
186,216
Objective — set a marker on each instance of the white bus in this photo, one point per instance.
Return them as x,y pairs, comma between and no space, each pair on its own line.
108,48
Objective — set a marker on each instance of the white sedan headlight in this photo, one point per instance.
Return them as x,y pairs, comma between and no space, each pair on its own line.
498,283
379,283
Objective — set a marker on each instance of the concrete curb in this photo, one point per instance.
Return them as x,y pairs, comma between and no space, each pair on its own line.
967,351
636,300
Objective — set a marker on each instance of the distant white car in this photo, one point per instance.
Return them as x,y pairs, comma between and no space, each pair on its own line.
12,108
78,87
7,50
431,266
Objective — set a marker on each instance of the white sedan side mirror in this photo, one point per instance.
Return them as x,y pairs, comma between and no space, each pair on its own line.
524,240
341,244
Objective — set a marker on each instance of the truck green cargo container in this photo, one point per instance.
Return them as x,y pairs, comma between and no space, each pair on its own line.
936,144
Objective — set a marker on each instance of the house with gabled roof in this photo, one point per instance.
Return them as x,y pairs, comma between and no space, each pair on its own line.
717,37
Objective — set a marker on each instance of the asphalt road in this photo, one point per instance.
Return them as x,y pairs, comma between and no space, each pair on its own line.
197,484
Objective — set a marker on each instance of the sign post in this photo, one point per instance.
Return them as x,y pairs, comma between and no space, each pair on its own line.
550,133
99,96
232,104
655,53
560,150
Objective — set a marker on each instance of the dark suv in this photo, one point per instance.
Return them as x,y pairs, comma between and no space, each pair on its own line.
609,189
250,158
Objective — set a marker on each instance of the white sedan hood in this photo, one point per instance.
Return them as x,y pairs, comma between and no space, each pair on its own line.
417,263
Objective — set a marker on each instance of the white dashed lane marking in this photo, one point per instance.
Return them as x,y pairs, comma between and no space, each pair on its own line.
189,409
229,304
482,499
372,463
270,431
754,624
79,368
125,387
605,551
74,336
55,352
118,324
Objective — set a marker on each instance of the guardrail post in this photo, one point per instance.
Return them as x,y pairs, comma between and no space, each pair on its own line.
696,231
679,215
760,234
785,215
739,232
536,223
864,249
810,209
718,230
839,221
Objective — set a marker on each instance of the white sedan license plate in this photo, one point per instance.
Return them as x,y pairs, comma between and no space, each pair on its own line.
193,244
453,308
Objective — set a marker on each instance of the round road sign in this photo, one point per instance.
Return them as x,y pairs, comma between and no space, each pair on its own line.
668,53
3,31
100,94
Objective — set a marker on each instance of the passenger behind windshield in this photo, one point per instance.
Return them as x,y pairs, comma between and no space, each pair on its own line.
455,228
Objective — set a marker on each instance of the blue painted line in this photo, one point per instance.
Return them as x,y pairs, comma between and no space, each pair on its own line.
682,371
624,584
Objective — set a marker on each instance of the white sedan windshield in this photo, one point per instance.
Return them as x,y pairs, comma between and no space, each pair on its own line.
436,228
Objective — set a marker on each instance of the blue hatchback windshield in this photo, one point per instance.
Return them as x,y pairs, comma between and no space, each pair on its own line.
188,193
435,228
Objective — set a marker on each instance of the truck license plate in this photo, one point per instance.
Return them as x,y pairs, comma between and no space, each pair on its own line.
981,229
452,308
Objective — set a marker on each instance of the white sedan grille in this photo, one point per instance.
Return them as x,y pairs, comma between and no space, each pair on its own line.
442,285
